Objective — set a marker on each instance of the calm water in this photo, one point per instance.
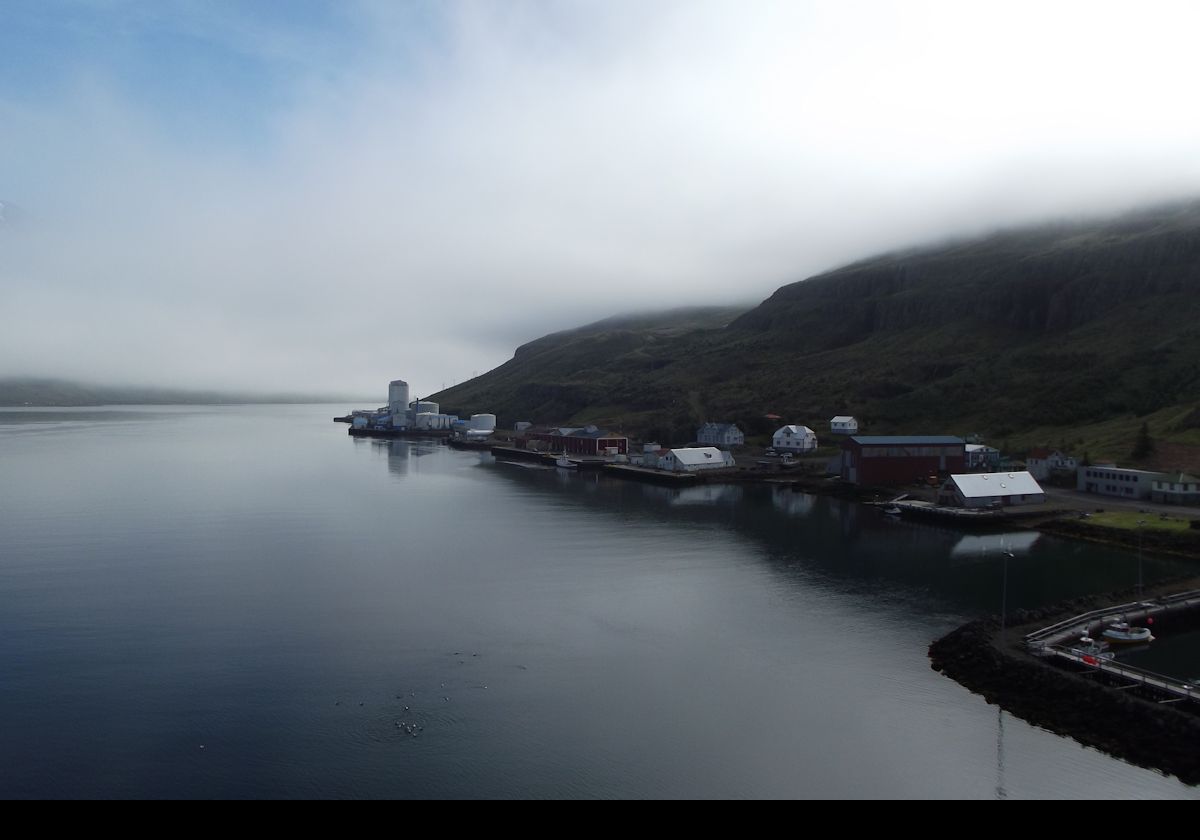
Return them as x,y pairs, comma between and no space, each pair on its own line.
242,602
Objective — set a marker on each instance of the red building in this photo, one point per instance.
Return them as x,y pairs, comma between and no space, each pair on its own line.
588,441
882,459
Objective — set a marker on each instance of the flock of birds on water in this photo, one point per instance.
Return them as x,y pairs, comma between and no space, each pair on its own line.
413,729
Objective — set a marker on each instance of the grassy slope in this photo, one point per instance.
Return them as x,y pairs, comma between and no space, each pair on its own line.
1070,334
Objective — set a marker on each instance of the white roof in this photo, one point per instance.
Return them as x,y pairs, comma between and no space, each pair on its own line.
977,447
699,455
982,485
842,418
796,430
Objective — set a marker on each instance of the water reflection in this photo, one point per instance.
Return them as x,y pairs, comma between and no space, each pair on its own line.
804,535
399,453
982,545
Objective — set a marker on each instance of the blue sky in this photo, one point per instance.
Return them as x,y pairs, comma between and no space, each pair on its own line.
208,72
216,193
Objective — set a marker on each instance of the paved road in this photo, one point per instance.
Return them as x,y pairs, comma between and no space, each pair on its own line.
1075,500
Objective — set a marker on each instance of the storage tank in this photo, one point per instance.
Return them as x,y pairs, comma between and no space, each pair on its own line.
483,422
397,397
424,420
424,407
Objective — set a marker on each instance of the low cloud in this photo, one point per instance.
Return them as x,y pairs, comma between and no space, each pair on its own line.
421,195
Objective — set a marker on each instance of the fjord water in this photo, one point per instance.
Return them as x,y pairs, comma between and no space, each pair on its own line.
246,602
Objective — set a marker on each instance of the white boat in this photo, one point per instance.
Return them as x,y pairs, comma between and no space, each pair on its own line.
1120,633
566,463
1091,651
892,511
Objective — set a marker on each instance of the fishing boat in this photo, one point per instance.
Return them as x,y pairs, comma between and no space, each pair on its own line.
1121,633
1091,651
566,463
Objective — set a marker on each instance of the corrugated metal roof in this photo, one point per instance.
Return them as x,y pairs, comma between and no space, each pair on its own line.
842,418
1180,478
699,455
983,485
907,440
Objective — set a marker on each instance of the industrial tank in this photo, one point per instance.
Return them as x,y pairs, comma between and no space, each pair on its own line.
397,396
483,422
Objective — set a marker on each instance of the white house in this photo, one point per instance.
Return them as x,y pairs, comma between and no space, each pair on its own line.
720,434
695,458
980,490
843,424
983,457
795,439
1042,462
1176,489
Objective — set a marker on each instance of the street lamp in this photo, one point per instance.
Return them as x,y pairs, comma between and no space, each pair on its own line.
1141,524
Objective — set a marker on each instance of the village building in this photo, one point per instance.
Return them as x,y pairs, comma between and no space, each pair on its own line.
843,424
587,441
1176,489
1042,462
695,459
794,439
900,459
649,456
720,434
980,457
984,490
1111,480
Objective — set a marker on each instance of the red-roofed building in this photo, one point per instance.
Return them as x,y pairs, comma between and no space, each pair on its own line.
1041,462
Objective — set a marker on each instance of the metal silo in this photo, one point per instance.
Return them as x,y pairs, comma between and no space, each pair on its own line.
397,397
483,422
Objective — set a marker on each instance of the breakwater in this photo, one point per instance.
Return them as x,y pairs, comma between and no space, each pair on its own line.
1094,708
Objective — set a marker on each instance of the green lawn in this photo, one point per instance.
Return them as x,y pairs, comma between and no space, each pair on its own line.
1129,520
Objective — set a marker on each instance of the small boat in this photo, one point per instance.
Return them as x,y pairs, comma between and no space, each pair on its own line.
566,463
1091,651
1120,633
892,511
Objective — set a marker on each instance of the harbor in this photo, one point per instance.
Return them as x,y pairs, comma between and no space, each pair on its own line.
600,611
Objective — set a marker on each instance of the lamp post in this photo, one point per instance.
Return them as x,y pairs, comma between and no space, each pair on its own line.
1141,525
1004,599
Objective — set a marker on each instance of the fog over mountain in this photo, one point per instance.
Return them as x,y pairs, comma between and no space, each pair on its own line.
323,197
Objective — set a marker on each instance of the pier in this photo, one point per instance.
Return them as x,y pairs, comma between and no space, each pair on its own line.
398,433
1058,641
1148,719
671,479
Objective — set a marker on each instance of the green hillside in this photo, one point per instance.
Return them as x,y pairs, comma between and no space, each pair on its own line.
1074,333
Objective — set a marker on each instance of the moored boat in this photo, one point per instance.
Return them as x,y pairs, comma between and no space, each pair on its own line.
1091,651
1121,633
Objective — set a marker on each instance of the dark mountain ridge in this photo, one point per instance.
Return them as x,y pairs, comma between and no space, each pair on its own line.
1031,330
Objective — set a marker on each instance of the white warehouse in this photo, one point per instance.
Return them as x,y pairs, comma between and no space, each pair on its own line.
696,458
981,490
